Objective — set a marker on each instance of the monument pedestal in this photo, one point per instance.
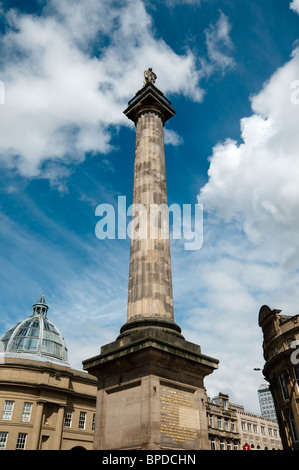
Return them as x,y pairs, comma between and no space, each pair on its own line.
151,394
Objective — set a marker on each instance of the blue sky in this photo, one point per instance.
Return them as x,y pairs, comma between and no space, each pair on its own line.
230,69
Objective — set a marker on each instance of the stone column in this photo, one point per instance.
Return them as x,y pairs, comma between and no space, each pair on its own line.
150,283
150,298
59,428
150,379
34,445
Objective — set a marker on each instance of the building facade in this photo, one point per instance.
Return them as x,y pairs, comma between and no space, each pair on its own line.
222,424
266,402
258,432
231,427
281,370
47,405
44,403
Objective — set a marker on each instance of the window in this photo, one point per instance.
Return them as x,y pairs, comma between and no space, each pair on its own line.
255,428
229,446
82,420
243,425
213,445
26,414
226,424
263,429
93,422
211,420
233,426
283,387
235,446
7,410
296,373
219,423
249,427
21,442
270,431
293,426
68,419
3,440
222,445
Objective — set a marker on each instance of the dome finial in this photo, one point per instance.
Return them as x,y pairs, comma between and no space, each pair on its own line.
40,307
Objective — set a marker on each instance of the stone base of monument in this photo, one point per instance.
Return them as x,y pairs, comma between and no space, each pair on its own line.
151,393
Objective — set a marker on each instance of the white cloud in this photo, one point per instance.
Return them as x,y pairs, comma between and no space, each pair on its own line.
294,5
251,250
218,292
173,3
219,45
172,138
61,95
256,182
69,73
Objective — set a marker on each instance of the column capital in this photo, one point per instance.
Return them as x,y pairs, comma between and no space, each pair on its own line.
149,99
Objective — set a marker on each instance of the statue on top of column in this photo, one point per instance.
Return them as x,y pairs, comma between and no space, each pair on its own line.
149,77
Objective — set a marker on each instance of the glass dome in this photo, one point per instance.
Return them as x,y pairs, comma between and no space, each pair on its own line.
35,336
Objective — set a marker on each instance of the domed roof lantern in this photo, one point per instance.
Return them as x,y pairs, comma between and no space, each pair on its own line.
40,307
35,338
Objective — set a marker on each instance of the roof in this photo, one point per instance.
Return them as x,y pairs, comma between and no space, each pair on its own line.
36,337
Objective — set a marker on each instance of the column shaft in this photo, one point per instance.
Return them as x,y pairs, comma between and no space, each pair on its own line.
150,280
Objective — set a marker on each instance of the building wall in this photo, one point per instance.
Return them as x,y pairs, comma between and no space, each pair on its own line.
266,402
50,391
222,425
281,370
230,427
60,396
258,432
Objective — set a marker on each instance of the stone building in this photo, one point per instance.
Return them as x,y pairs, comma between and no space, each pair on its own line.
281,370
231,427
44,403
47,405
222,424
258,432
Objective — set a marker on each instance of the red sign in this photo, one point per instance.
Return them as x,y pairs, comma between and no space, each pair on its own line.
246,447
